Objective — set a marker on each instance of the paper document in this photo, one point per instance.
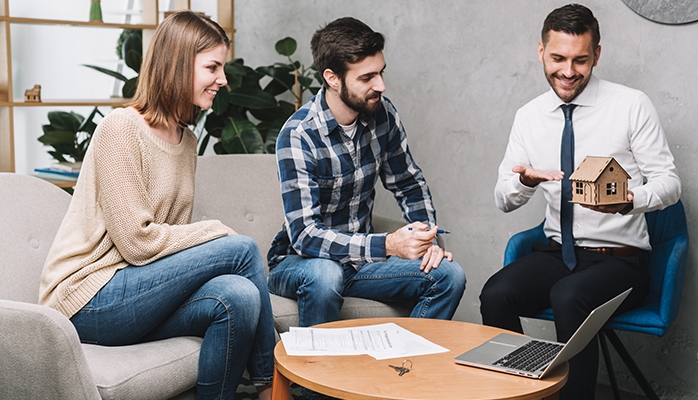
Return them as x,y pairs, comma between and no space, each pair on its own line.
381,342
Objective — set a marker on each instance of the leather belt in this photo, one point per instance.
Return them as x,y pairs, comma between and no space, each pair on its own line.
622,251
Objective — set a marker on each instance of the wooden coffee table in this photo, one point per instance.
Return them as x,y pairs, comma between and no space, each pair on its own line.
434,376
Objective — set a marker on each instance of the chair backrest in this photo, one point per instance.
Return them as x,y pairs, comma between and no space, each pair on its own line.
31,212
668,232
669,239
243,192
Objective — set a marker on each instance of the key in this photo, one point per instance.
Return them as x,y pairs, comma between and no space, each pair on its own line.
401,370
398,369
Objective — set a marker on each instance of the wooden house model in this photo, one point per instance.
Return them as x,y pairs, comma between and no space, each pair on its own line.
599,181
33,95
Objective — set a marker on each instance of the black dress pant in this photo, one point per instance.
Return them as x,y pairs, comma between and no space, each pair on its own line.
541,280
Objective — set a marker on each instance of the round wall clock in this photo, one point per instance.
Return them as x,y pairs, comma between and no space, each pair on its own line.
666,11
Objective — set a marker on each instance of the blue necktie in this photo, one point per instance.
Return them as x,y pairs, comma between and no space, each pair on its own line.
566,208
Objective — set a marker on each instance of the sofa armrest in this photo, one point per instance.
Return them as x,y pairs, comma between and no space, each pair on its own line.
41,355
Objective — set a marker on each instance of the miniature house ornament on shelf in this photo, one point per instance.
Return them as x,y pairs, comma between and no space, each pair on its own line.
599,181
33,95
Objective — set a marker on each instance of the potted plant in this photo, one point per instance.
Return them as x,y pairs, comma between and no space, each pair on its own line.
69,134
248,114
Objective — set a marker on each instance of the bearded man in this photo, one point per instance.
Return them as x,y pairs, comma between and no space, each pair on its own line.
330,155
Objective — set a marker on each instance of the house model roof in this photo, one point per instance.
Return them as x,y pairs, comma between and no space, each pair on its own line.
591,168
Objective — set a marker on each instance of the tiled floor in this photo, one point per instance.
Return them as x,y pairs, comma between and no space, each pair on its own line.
605,393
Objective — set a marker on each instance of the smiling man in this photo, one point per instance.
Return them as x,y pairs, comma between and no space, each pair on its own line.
592,253
331,154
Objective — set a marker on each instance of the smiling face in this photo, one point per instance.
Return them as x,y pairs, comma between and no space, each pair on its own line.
363,84
209,75
568,61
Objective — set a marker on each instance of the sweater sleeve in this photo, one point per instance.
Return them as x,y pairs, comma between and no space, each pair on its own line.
146,212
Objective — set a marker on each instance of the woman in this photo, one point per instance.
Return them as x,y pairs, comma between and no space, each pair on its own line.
127,265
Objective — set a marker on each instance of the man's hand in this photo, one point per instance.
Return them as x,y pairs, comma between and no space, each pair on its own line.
433,258
411,241
532,177
622,208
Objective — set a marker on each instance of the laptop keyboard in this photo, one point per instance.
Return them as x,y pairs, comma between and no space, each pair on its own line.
531,356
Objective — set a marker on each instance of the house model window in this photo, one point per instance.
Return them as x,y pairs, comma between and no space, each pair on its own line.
600,181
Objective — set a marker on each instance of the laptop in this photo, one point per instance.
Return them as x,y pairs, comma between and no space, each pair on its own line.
534,358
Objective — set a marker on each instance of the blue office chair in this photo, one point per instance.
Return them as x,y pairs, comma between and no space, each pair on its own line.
669,239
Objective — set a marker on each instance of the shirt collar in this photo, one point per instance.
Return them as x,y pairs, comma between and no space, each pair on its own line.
324,112
585,99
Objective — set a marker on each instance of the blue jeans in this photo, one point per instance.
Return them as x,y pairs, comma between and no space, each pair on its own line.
320,285
216,290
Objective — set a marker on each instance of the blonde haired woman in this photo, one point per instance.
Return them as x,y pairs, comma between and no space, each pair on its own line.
127,265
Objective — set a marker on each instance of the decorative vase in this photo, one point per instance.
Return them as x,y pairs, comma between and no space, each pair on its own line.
95,11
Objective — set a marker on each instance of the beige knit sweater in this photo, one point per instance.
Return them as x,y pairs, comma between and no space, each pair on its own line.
132,205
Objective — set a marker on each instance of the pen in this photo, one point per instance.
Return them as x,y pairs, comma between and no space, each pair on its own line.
440,231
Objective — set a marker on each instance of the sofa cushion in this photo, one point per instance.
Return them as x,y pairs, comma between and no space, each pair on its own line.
153,370
286,310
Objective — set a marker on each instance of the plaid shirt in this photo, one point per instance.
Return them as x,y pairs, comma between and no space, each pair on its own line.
328,184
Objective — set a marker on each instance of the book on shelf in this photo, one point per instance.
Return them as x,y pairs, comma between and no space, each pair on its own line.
50,173
67,166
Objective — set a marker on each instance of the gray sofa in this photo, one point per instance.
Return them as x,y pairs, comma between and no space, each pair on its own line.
41,356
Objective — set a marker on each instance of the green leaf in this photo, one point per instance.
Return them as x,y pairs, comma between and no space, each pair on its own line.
252,98
129,89
58,156
271,114
133,60
282,75
221,101
111,73
275,88
65,121
129,39
305,81
204,143
57,138
88,125
272,134
287,109
214,124
286,46
241,136
235,67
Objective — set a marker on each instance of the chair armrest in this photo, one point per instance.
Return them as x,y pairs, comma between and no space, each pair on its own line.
41,355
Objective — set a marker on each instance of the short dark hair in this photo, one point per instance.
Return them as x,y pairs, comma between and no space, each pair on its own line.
342,42
573,19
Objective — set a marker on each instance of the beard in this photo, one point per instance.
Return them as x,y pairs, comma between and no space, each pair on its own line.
361,106
583,82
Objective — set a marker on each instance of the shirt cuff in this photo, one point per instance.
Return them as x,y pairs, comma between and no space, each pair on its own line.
376,247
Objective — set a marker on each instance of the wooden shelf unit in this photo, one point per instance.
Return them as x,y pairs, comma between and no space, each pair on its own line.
150,17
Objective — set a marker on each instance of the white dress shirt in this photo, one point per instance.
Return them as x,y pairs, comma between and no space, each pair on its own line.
610,120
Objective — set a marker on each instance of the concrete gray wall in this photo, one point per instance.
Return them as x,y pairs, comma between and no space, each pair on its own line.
457,71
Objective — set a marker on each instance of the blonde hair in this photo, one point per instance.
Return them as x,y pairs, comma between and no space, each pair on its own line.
166,82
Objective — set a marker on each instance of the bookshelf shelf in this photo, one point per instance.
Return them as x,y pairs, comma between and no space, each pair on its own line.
39,21
149,16
113,102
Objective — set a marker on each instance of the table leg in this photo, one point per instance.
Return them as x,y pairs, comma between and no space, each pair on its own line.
280,387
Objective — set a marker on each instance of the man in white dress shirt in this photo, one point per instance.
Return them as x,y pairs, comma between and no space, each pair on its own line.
611,242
